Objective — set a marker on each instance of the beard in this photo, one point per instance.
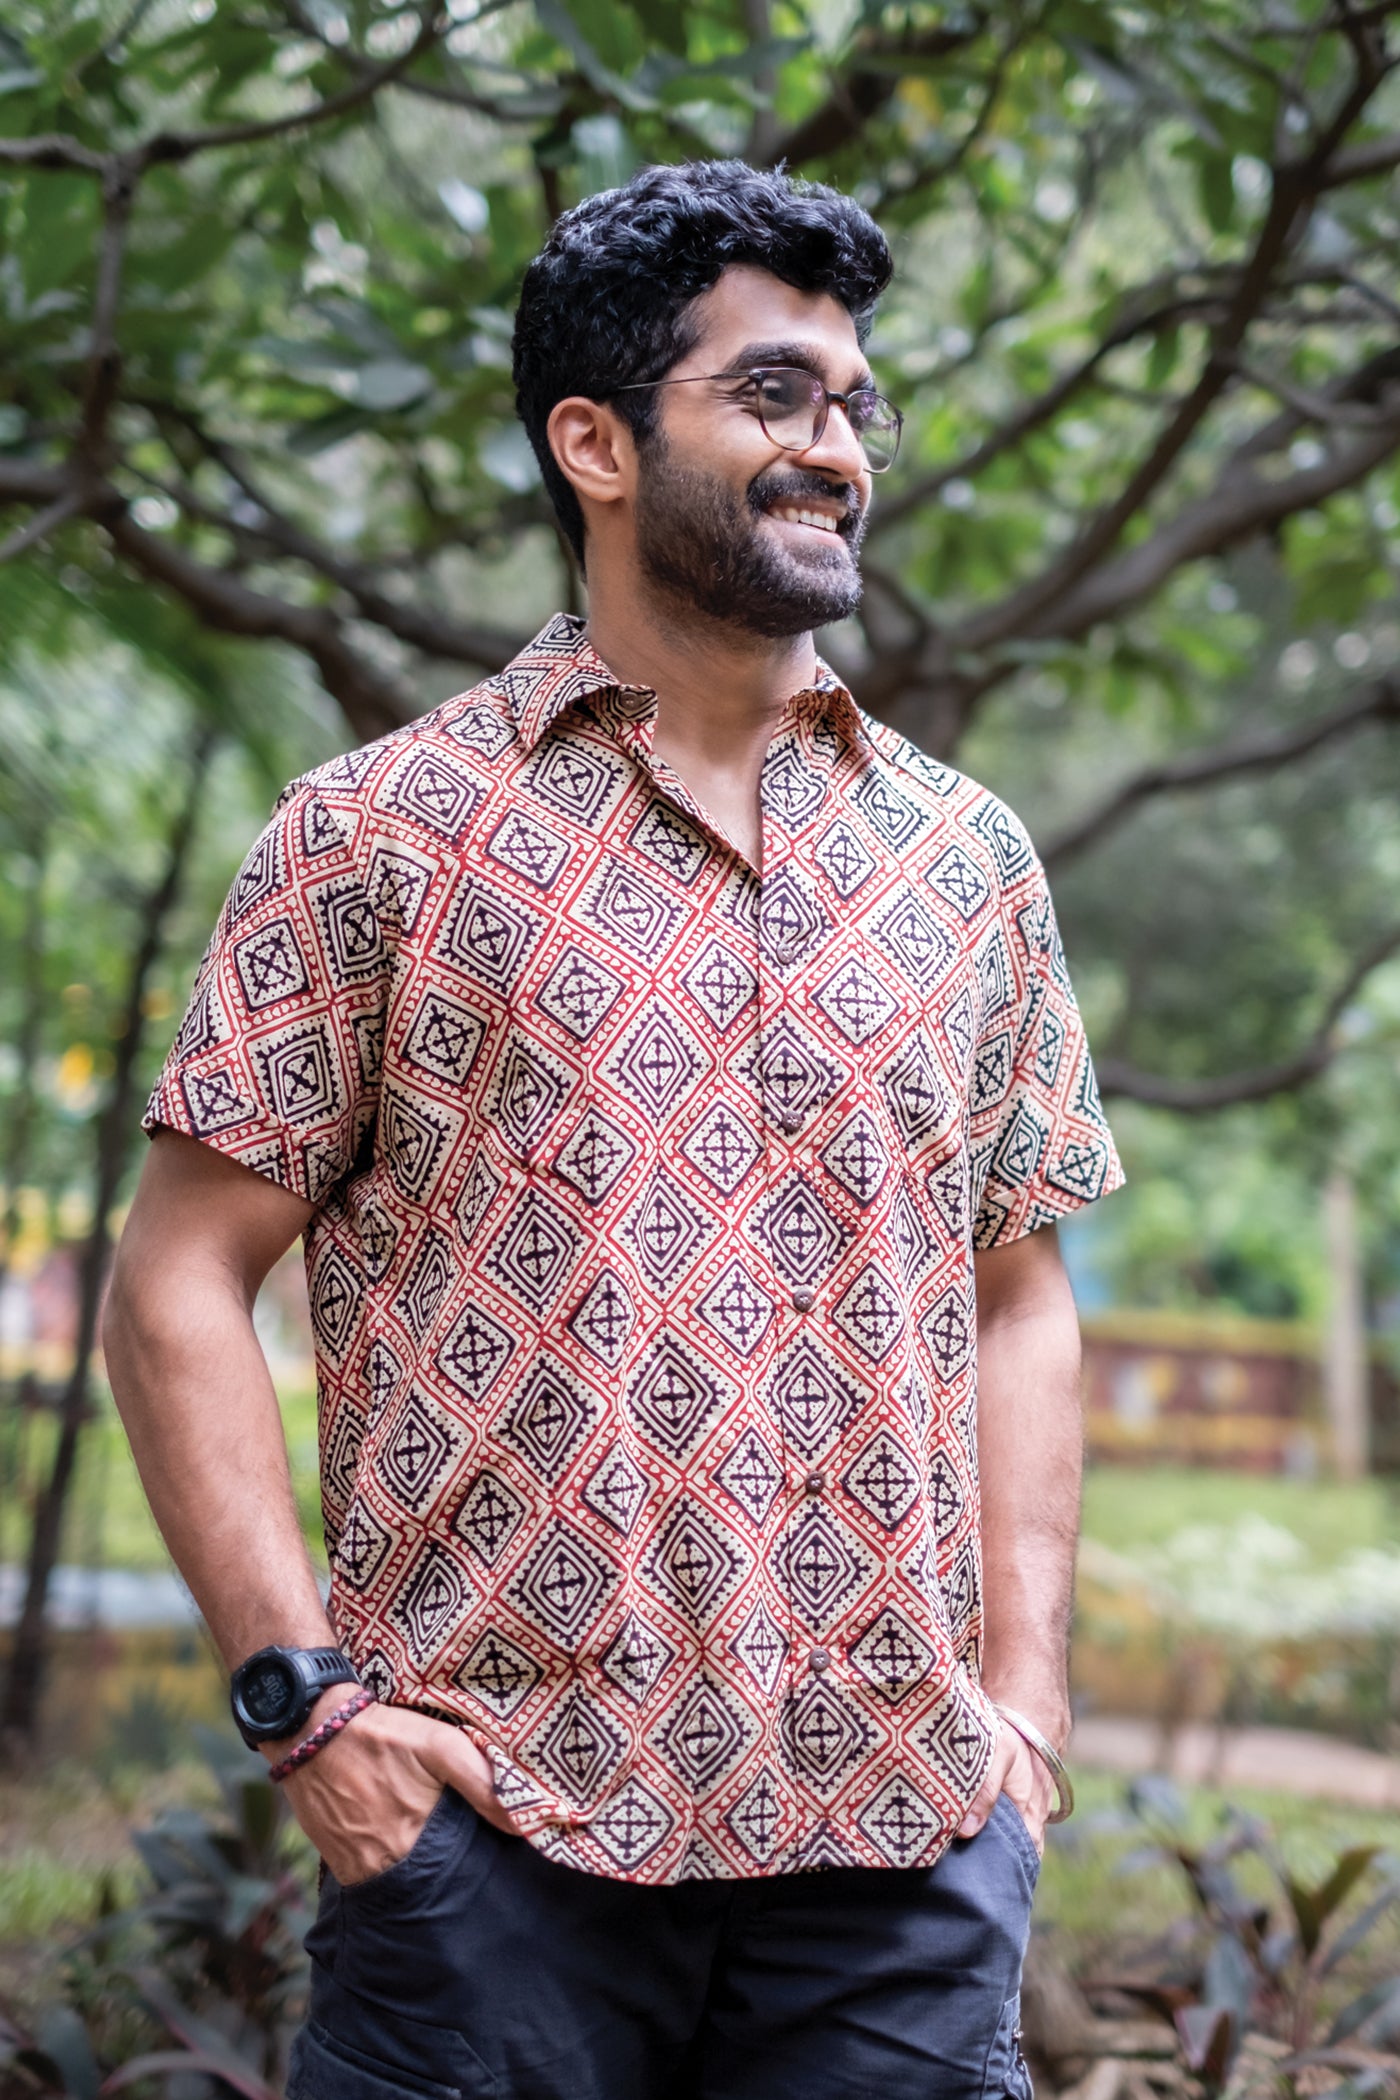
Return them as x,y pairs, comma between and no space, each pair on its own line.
707,549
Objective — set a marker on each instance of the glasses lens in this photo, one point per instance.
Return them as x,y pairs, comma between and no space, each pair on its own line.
877,423
790,403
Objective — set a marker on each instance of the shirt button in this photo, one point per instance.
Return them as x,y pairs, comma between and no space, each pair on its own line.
790,1124
814,1483
803,1299
820,1659
785,951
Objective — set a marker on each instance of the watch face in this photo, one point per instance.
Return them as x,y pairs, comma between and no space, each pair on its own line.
268,1692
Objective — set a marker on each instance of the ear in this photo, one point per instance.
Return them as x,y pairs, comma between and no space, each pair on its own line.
594,448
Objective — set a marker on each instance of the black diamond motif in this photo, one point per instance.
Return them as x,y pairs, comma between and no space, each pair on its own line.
475,1352
945,1495
721,1148
481,729
528,848
657,1063
666,839
579,993
870,1312
572,778
994,823
594,1158
578,1746
488,935
432,1604
959,881
886,811
532,1257
270,964
811,1397
819,1564
429,1280
915,1245
413,1136
300,1075
751,1475
958,1023
605,1318
991,1073
854,1000
479,1192
263,872
416,1449
665,1230
499,1673
564,1583
350,932
397,882
632,912
911,936
721,984
213,1101
530,1086
958,1740
947,1329
363,1546
795,1077
738,1309
695,1563
204,1024
884,1480
489,1515
892,1656
336,1293
434,790
858,1157
757,1816
799,1231
705,1735
635,1658
616,1488
899,1821
947,1187
918,1099
382,1374
444,1038
762,1647
789,916
1021,1147
547,1417
635,1824
673,1394
790,787
843,859
826,1736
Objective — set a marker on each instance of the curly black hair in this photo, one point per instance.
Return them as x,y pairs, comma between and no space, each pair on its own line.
606,300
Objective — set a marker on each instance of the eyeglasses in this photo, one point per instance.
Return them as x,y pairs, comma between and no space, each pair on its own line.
792,406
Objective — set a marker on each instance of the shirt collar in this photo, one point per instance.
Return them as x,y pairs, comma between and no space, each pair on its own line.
561,666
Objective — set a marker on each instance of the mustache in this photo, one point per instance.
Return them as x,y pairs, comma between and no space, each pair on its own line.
770,489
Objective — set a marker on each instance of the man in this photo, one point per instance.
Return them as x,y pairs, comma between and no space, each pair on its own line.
675,1078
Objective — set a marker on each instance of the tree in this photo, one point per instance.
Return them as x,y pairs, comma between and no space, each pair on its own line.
259,268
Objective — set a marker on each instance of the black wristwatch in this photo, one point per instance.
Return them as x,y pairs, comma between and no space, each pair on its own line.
273,1691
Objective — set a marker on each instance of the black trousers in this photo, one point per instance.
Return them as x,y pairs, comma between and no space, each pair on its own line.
477,1970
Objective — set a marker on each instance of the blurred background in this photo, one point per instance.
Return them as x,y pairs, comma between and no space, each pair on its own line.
263,496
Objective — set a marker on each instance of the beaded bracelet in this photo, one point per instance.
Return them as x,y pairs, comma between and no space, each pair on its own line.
319,1737
1049,1756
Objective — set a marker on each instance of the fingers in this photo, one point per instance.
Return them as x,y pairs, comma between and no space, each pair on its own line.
984,1800
458,1763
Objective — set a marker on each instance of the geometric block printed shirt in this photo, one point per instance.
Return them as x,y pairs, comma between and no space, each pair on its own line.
641,1271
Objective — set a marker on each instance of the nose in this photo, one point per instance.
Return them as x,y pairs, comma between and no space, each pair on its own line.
838,450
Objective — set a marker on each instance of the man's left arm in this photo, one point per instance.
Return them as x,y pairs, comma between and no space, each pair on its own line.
1030,1446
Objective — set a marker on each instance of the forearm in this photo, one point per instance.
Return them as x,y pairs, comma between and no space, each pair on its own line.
1030,1461
194,1392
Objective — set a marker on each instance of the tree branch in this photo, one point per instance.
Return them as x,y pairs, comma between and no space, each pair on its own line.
1379,702
64,506
1361,163
1204,1096
867,82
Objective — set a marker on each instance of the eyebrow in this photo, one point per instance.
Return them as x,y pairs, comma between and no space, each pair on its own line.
799,354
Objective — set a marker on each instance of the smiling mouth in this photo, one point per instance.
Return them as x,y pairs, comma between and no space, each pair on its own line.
793,514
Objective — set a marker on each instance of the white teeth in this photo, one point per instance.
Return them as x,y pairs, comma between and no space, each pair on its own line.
809,517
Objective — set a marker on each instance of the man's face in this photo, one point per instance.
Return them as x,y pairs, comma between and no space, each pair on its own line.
754,535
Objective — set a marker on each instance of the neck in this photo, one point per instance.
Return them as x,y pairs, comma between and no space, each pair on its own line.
717,688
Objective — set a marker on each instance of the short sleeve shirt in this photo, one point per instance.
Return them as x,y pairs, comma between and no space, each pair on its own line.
641,1270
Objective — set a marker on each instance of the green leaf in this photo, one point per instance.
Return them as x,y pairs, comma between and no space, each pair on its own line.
1161,361
64,2040
1312,1907
1215,184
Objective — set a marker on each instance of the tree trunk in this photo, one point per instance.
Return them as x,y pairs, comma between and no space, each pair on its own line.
19,1131
1345,1370
29,1653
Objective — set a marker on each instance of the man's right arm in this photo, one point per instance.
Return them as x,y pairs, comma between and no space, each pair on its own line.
194,1392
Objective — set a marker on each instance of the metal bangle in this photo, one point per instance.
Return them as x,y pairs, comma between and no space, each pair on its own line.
1049,1756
